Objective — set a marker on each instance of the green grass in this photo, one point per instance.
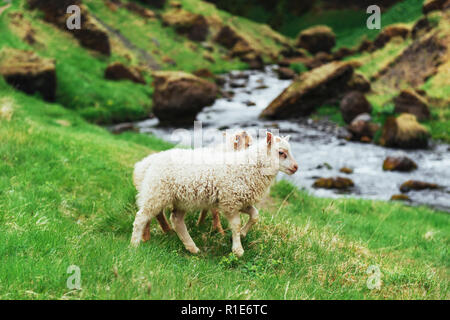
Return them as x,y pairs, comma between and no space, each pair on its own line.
373,62
298,67
66,198
350,25
332,113
80,74
161,41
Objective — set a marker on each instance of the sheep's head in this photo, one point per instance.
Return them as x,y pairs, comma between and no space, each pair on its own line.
280,151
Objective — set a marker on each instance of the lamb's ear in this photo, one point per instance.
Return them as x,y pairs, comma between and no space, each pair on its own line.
269,138
287,138
236,142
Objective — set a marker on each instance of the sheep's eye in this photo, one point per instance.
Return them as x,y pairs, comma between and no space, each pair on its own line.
282,154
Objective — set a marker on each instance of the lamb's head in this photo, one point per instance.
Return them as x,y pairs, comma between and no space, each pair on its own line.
280,154
242,140
238,140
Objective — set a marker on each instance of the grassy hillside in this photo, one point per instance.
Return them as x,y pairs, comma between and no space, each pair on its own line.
66,198
350,25
80,72
436,87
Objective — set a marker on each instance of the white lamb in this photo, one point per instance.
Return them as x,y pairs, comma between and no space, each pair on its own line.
233,142
230,186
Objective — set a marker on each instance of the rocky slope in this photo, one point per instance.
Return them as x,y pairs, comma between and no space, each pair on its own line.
104,70
402,71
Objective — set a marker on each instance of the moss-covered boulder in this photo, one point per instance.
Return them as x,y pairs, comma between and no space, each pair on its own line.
154,3
195,26
434,5
402,163
404,132
408,101
417,63
240,46
317,39
415,185
285,73
310,90
228,37
400,197
140,10
180,96
362,128
333,183
119,71
392,31
346,170
353,104
91,35
28,72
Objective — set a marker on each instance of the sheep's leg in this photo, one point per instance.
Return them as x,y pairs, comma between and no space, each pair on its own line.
140,222
161,217
202,217
254,217
216,221
177,218
146,234
235,224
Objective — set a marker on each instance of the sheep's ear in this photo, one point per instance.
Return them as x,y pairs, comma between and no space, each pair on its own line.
269,138
236,142
287,138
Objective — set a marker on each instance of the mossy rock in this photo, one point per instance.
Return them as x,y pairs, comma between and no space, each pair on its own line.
28,72
326,84
404,132
317,39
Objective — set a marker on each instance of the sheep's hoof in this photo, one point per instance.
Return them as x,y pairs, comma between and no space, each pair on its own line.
134,243
238,252
193,250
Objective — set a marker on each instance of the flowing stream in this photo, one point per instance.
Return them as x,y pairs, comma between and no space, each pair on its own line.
315,145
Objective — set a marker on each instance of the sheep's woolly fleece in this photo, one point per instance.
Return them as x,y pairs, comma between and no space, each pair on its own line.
233,142
206,178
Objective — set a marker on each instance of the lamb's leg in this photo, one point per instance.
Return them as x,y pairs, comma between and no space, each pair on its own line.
161,217
146,234
202,217
235,224
254,217
216,221
140,222
177,218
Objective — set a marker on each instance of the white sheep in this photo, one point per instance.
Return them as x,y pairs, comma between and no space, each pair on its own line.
230,186
233,142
